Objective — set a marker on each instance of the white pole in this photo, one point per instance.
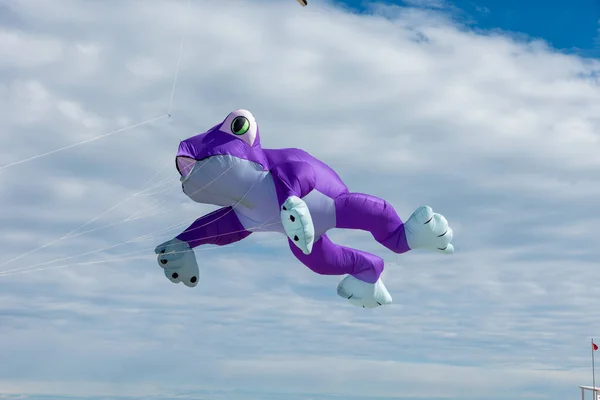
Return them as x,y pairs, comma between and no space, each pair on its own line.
593,373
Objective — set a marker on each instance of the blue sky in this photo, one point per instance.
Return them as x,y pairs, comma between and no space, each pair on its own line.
417,104
570,26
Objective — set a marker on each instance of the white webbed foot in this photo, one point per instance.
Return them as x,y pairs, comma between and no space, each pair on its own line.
428,230
298,223
363,294
179,262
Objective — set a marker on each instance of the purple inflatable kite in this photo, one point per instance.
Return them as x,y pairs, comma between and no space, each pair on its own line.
291,192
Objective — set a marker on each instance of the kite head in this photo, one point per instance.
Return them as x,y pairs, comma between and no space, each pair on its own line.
215,164
237,135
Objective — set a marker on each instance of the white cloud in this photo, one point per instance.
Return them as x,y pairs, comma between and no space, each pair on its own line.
42,51
500,135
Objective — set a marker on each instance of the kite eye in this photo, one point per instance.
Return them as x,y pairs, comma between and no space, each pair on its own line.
240,125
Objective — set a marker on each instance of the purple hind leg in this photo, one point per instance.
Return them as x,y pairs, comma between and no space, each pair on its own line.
328,258
374,215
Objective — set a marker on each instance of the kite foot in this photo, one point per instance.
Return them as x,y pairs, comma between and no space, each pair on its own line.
298,224
179,262
428,230
363,294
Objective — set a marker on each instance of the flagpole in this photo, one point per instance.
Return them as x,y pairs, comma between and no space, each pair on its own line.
593,373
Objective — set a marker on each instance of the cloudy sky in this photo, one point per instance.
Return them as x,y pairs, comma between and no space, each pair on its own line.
488,112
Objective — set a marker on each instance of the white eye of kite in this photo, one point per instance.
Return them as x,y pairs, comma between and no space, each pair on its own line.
241,124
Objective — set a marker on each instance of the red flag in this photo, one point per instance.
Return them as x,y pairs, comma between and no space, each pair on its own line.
594,346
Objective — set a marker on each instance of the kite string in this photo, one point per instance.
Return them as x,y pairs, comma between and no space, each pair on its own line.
26,269
146,186
175,80
118,258
134,216
145,235
164,198
127,128
179,57
146,122
73,232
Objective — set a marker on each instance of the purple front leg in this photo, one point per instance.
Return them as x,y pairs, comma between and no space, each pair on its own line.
221,227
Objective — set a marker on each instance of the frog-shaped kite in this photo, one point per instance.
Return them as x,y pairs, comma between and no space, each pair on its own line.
291,192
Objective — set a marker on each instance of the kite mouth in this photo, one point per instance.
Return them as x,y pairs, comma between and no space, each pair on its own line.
185,166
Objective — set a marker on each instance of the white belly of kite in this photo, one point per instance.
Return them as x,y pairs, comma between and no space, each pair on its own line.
263,215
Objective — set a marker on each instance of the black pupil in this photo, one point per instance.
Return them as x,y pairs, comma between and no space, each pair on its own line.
239,123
